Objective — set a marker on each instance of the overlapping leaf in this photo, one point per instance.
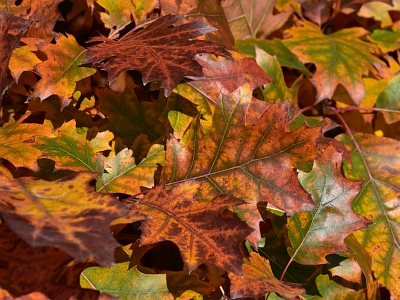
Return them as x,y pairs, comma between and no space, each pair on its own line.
252,162
197,228
319,232
127,116
159,52
253,19
61,70
66,213
18,143
387,40
376,160
125,176
389,100
258,280
340,58
119,13
329,289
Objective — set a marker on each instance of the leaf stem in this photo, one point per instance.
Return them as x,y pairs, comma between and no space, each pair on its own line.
350,108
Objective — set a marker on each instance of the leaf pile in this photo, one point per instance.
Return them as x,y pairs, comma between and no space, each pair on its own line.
199,149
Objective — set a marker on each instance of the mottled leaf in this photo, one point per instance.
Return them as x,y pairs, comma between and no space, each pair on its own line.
226,76
61,70
253,19
66,213
142,10
159,52
125,176
387,40
118,13
348,269
276,91
258,280
253,162
22,59
390,99
340,58
317,233
18,143
197,228
127,116
376,160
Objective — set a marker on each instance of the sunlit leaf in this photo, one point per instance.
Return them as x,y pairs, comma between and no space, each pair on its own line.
22,59
317,233
387,40
125,176
376,160
340,58
61,70
118,13
66,213
379,11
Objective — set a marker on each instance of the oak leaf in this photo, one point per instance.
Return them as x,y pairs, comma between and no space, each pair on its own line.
65,213
379,11
317,233
61,70
387,40
197,228
342,58
329,289
376,160
125,176
258,279
388,100
22,59
253,162
159,52
119,13
19,141
253,19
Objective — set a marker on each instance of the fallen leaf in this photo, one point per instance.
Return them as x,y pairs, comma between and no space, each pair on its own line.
66,213
348,269
197,228
317,233
159,52
387,40
61,70
342,58
118,13
258,280
22,59
379,11
389,100
376,160
329,289
253,19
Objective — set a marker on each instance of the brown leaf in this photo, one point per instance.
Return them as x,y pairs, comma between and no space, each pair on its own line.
226,76
197,228
25,269
66,213
258,280
159,52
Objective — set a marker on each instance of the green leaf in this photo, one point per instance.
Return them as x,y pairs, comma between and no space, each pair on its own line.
68,153
390,99
376,160
127,284
276,91
119,13
387,40
124,176
329,289
340,58
317,233
285,57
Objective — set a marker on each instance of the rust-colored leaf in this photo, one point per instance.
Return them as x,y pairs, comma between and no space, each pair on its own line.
159,52
253,163
197,228
25,270
258,280
66,213
226,76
